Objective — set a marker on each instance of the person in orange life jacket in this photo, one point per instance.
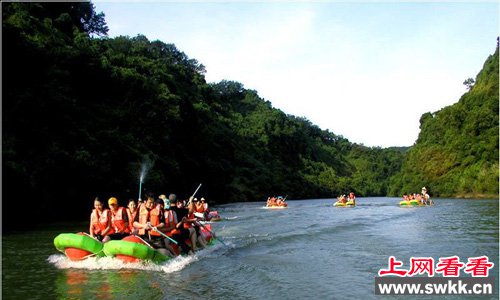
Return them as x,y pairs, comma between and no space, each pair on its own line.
170,227
191,218
147,219
280,201
184,225
100,221
272,201
119,220
205,205
131,213
199,208
159,204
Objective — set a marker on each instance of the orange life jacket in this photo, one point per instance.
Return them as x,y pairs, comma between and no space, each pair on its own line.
170,221
199,209
118,222
152,216
100,221
189,216
131,217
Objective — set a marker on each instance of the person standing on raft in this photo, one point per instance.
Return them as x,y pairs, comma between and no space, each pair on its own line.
426,196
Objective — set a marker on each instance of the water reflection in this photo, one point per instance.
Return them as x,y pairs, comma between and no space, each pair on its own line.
113,284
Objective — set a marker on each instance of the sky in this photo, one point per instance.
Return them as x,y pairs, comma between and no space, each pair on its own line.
363,70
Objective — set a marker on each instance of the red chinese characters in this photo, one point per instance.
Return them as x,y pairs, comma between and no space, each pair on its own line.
421,265
478,266
393,263
449,266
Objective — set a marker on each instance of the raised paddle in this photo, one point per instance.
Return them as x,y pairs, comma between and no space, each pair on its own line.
196,190
189,202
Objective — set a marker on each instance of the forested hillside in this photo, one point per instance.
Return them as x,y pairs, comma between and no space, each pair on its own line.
456,153
83,114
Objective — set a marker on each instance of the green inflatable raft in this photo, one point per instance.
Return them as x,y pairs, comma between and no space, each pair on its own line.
78,246
411,203
133,249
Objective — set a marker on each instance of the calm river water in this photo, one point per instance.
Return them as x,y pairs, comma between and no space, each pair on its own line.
310,249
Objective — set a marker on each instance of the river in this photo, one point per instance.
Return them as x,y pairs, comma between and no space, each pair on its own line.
310,249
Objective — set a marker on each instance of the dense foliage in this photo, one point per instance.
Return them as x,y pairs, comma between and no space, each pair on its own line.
456,153
83,114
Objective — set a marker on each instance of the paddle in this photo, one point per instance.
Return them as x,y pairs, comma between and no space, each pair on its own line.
196,191
194,194
164,235
212,233
147,244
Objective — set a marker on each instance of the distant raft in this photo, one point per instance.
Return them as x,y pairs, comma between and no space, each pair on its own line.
412,203
347,204
415,203
275,207
78,246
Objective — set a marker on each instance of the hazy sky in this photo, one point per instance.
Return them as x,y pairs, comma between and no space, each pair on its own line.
363,70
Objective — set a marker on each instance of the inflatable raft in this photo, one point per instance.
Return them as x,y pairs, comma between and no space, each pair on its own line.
413,203
214,216
275,207
205,229
133,249
347,204
410,203
78,246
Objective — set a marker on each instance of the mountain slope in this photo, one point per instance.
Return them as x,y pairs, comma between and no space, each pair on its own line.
456,153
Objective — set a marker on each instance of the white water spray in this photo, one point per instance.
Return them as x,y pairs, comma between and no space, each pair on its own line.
176,264
144,170
108,263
